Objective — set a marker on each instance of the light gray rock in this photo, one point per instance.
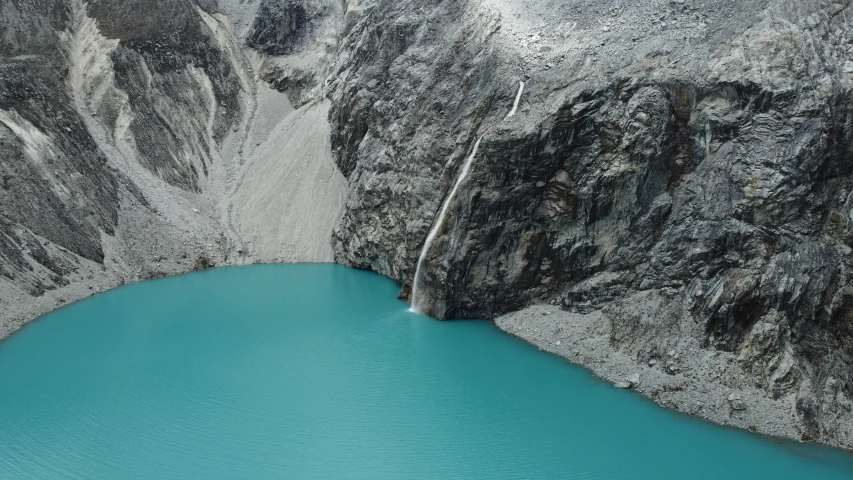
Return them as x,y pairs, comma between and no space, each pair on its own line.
634,380
736,402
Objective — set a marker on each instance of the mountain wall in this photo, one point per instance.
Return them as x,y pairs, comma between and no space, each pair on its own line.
682,168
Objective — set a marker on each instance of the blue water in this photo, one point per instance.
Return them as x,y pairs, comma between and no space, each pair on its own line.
318,371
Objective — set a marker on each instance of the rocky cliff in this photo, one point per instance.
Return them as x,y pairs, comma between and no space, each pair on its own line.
678,174
683,167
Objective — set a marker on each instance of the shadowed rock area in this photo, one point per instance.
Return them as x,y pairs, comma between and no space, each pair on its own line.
675,186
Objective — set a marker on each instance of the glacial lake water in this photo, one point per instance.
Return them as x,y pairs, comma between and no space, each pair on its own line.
319,372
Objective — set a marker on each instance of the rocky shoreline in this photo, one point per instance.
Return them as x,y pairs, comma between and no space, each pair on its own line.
22,308
707,384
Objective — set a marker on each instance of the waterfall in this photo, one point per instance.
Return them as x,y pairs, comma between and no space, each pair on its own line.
416,302
517,99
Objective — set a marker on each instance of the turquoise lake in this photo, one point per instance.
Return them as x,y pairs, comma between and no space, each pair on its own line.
319,372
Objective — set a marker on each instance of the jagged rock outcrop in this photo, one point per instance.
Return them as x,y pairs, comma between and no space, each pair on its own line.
280,26
302,35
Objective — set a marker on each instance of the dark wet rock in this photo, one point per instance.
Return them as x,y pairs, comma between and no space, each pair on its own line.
279,26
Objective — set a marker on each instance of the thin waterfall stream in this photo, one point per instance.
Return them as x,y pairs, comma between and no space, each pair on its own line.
466,167
417,302
517,99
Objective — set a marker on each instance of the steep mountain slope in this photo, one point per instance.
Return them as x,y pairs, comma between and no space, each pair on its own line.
127,135
674,186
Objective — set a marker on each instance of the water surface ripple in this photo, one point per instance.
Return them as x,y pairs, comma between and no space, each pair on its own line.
319,372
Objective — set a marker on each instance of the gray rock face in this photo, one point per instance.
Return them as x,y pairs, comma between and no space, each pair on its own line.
94,97
706,158
163,80
279,26
301,37
68,196
680,170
